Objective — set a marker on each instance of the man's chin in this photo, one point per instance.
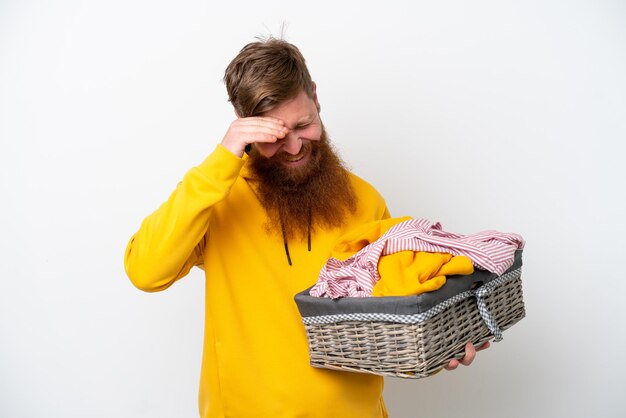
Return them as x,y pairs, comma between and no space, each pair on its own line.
295,176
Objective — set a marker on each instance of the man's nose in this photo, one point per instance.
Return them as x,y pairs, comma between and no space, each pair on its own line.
293,144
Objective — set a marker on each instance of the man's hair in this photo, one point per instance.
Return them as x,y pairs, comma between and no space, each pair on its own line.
265,74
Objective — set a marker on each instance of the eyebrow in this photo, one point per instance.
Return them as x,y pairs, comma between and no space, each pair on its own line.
305,121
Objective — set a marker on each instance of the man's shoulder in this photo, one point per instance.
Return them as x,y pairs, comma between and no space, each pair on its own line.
364,190
360,183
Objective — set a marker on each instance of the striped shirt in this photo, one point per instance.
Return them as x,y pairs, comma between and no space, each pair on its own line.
355,277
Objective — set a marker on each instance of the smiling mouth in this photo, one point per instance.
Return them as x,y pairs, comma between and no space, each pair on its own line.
294,159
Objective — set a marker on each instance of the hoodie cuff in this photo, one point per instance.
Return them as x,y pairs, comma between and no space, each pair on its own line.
221,165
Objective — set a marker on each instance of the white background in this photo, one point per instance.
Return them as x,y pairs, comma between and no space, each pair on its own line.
482,115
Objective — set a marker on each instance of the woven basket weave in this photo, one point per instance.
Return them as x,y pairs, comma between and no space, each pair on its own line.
424,345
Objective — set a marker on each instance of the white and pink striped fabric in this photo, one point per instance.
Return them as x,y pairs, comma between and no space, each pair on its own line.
355,277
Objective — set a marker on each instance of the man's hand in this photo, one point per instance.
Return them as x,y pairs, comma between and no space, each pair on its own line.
244,131
470,353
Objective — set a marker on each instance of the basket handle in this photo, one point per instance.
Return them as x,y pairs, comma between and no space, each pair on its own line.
481,293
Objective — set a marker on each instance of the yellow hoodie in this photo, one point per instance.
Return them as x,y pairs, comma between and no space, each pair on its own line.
255,360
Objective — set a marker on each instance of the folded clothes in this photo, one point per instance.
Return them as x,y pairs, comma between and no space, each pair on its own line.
356,275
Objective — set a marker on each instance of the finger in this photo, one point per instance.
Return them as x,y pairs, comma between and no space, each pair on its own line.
260,121
267,118
484,346
470,353
261,137
270,119
251,134
452,365
253,130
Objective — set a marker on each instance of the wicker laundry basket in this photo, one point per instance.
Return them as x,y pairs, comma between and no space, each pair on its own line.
412,336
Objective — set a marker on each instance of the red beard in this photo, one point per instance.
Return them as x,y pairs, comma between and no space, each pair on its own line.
299,199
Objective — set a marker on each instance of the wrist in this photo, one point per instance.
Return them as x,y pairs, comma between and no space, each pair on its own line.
235,149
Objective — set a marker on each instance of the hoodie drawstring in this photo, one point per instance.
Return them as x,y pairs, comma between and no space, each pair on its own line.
309,238
282,227
285,241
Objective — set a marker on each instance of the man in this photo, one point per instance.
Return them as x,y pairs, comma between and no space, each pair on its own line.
260,215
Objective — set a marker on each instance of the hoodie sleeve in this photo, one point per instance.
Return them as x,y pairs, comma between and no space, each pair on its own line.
171,240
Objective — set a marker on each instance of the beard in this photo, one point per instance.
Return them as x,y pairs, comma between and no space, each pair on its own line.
298,200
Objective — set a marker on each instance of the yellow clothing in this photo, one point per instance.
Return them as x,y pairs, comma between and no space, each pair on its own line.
406,272
355,240
414,272
255,360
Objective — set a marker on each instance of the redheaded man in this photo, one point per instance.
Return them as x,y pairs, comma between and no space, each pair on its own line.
260,215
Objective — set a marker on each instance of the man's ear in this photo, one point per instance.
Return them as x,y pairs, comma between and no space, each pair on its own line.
317,103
